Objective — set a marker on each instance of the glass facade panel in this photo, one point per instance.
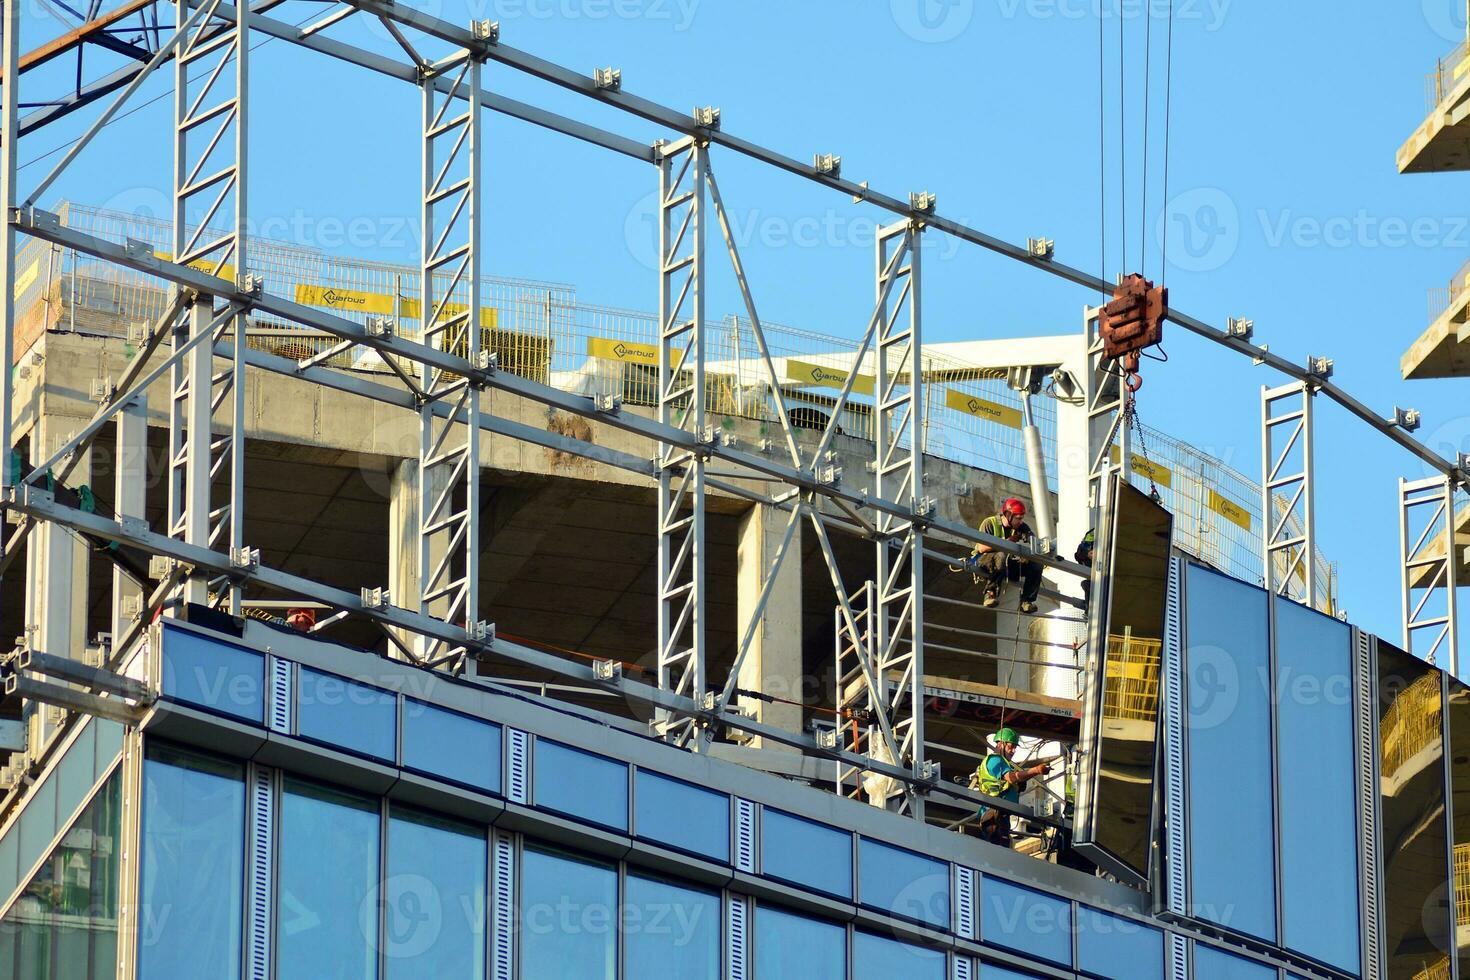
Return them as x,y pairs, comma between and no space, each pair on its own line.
683,816
1414,839
879,958
434,898
63,926
1217,964
670,930
793,947
581,785
806,853
903,883
1227,662
1459,719
452,746
218,677
336,711
1119,808
193,877
328,871
1109,946
1025,921
1319,828
569,917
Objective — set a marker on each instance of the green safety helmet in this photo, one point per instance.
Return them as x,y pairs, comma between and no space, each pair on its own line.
1006,735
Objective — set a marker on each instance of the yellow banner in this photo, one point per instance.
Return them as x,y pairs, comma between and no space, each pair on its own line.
1230,510
28,276
981,408
489,315
358,301
1157,472
205,266
622,350
825,377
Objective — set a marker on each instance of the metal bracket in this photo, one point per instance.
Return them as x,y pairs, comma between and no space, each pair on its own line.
1241,328
609,671
380,326
481,632
1041,248
133,526
249,284
486,30
1319,368
103,390
923,201
607,403
245,558
376,598
608,79
707,117
1405,418
828,165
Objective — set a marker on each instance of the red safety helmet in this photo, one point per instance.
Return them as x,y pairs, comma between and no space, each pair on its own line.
1013,506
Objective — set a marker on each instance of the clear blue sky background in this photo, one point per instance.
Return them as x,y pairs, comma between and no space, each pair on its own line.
1286,117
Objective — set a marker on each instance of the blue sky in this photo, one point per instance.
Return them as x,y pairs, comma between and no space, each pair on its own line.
1287,207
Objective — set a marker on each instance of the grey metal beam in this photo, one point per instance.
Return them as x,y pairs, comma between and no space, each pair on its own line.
34,689
66,669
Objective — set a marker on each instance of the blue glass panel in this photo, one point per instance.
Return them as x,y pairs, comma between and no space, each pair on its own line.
581,785
670,931
903,883
1215,964
336,711
793,947
1227,660
683,816
37,825
879,958
327,882
1025,921
806,853
9,863
219,677
569,917
1109,946
450,745
193,866
1319,830
992,972
434,898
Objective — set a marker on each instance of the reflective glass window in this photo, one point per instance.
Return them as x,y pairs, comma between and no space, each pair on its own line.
992,972
1025,921
450,745
1110,946
63,925
903,883
434,898
806,853
1227,663
1118,810
1216,964
343,713
1459,718
581,785
670,930
682,815
881,958
793,947
193,880
219,677
1414,838
1319,828
327,872
569,917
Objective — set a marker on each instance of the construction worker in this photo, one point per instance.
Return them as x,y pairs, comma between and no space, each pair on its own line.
1084,557
1000,777
996,566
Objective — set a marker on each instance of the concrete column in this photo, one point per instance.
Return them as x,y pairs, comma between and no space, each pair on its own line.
130,474
773,664
403,537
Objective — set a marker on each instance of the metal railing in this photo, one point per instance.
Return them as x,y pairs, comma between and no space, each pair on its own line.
1410,724
1443,298
1449,72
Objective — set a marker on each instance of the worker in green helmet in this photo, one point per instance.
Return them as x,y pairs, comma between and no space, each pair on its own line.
1000,777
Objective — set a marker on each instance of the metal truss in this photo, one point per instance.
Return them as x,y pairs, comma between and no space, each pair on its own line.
1430,569
681,405
210,178
1107,403
1288,492
450,274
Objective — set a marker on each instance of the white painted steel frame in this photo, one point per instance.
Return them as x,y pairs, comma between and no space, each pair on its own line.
1290,537
1434,576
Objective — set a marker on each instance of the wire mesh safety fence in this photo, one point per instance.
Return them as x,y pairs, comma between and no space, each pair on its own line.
540,331
1448,72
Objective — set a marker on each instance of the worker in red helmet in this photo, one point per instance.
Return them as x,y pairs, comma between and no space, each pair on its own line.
995,567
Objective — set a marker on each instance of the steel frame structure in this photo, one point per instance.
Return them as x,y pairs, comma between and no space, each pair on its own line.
449,360
1289,538
1435,576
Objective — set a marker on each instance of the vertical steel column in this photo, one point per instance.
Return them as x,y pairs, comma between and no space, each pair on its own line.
898,417
9,147
681,403
1107,402
1289,539
1430,565
130,476
449,304
210,140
